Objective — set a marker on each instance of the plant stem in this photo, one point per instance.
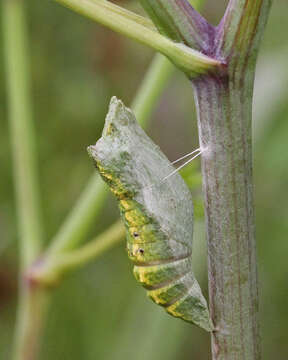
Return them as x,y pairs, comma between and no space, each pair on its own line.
225,132
50,269
151,88
30,314
224,105
242,27
119,10
189,60
179,21
22,131
81,217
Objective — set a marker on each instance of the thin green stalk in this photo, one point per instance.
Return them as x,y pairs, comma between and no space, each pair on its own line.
119,10
49,270
22,130
81,217
179,21
151,89
189,60
30,314
244,22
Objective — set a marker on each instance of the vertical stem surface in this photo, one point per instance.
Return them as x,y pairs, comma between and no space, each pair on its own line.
22,130
30,318
224,105
225,133
30,314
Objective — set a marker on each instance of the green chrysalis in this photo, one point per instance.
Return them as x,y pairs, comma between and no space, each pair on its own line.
158,218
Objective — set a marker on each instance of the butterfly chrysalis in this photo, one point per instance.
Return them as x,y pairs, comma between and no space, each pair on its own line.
158,219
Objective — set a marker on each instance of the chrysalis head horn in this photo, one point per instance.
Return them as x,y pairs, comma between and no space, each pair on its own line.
116,117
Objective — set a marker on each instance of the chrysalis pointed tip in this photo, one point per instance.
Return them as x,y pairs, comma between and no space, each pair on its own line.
118,116
115,105
114,100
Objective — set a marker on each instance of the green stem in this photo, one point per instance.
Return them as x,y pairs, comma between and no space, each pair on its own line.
224,104
81,217
50,270
224,111
119,10
151,88
22,130
30,313
30,320
179,21
242,28
188,60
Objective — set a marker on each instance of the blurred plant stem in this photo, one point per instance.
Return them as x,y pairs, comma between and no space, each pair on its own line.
22,130
50,269
30,314
32,306
81,217
190,61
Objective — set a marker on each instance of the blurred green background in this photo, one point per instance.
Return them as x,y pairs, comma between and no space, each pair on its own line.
100,312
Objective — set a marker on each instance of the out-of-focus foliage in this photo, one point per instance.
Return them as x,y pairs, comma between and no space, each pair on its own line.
100,312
